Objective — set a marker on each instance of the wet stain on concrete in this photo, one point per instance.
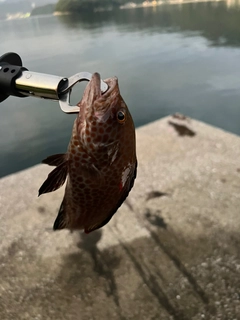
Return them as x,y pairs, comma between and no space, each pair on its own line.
155,219
182,129
13,249
41,210
155,194
128,204
180,116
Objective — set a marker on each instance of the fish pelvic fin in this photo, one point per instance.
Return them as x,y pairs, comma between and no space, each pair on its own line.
61,221
55,179
55,160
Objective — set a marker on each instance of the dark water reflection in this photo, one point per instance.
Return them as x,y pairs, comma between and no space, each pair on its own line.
171,58
217,22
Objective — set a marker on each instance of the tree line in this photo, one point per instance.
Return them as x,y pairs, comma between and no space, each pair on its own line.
83,5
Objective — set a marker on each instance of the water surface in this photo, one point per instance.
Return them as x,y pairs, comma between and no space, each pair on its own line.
171,58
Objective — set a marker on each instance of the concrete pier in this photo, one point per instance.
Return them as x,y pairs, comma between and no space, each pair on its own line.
172,251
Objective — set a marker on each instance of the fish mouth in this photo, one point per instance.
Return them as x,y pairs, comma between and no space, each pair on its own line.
91,93
94,101
93,89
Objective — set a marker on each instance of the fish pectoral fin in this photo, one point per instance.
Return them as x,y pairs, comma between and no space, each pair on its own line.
55,179
56,159
61,221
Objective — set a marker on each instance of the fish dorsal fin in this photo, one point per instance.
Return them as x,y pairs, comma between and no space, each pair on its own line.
61,221
56,159
55,179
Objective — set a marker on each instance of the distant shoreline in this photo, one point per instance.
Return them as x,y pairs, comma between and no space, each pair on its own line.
145,4
130,5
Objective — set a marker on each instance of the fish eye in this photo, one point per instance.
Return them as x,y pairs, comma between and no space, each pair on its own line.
121,116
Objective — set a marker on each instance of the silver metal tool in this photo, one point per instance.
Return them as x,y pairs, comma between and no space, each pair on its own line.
64,100
53,87
40,85
16,80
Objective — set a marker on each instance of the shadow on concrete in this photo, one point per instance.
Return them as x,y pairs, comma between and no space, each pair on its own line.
163,276
103,263
157,221
160,277
151,280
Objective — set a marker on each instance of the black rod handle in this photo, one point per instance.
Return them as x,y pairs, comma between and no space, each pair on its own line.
10,69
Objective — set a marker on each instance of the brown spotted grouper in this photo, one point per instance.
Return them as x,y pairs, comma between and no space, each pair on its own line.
100,164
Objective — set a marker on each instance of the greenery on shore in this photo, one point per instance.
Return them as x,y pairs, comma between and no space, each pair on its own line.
77,6
84,5
47,9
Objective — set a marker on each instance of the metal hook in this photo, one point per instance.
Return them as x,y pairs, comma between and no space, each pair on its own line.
64,95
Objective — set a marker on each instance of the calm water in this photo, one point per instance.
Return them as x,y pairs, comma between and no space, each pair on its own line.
168,59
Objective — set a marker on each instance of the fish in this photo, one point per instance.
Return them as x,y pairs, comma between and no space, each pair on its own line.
100,165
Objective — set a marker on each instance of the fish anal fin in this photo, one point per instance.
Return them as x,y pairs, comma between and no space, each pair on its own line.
98,226
61,221
55,179
55,160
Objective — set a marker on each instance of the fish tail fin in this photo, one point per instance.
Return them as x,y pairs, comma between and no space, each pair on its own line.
61,220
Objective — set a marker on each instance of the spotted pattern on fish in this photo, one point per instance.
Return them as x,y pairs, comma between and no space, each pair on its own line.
100,163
